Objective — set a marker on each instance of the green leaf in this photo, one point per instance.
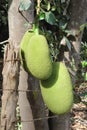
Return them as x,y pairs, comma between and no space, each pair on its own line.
53,8
62,24
41,16
24,5
48,6
83,26
63,1
84,64
50,18
85,76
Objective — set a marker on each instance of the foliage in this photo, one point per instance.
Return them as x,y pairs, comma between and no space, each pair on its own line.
83,55
3,23
83,52
18,125
3,12
24,5
84,70
53,23
51,17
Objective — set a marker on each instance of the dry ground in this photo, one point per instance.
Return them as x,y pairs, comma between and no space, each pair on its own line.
79,111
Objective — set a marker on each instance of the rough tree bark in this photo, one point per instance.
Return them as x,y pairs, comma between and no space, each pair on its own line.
17,29
10,86
78,15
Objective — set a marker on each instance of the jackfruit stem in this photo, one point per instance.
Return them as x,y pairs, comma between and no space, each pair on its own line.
35,28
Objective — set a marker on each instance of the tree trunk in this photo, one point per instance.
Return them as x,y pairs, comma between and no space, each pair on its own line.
60,122
38,107
78,17
17,29
25,108
10,85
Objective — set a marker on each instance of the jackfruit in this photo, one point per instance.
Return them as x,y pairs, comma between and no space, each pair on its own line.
57,90
23,47
38,57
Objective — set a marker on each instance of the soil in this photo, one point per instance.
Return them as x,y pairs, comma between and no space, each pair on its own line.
79,110
79,117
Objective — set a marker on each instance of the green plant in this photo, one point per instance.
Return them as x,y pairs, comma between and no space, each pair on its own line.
84,70
83,52
3,24
3,12
18,124
53,19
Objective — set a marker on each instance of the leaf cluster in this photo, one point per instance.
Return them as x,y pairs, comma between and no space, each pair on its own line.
3,12
53,20
3,23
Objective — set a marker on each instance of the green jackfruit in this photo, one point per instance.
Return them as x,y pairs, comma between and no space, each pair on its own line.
57,91
38,57
23,47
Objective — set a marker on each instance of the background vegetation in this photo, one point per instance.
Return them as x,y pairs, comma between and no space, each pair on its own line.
3,23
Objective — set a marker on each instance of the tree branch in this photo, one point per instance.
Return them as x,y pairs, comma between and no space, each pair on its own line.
4,41
38,6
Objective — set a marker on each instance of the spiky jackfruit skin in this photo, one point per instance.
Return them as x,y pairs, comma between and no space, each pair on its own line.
38,57
57,91
23,47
